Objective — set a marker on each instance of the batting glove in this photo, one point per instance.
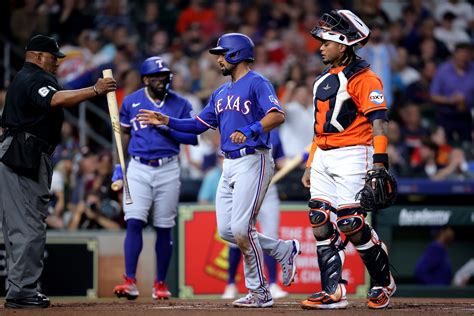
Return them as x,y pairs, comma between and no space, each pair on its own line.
118,174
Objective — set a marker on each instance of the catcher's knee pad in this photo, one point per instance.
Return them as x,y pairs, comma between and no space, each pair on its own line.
320,219
351,221
330,260
374,254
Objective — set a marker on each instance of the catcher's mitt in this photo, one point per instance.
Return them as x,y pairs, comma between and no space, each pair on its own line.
379,191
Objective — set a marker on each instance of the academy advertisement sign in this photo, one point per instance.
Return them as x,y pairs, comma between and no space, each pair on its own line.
426,215
203,255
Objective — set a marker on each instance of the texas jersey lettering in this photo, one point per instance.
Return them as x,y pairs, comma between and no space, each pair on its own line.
237,104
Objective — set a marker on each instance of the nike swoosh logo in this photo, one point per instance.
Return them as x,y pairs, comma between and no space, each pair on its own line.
134,105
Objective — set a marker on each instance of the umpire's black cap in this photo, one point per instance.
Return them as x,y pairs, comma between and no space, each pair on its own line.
41,43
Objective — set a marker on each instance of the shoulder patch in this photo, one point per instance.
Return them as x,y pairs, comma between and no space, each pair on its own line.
273,99
44,91
376,97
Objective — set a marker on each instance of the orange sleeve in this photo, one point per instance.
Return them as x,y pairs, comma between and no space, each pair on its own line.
311,153
367,90
380,144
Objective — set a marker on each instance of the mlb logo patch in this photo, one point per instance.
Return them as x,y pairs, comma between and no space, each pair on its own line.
376,97
273,100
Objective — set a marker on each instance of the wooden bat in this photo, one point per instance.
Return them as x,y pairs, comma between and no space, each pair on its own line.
114,119
117,185
289,166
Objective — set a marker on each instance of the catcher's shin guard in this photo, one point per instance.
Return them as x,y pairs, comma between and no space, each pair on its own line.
330,260
373,252
329,245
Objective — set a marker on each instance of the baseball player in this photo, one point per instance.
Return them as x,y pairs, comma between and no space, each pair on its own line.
244,109
350,128
153,172
269,221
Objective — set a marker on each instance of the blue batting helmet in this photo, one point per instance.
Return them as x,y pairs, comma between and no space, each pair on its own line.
235,47
156,65
153,65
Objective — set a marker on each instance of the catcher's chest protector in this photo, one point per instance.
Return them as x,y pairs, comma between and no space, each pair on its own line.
332,88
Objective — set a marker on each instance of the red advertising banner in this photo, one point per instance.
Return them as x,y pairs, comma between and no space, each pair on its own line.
203,255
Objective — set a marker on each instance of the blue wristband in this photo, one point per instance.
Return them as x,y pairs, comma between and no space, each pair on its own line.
252,130
118,174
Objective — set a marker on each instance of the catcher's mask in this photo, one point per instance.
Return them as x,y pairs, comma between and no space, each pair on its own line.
342,26
236,47
156,65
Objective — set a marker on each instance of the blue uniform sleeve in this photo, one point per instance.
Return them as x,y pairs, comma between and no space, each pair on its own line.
183,138
208,115
266,96
180,137
191,125
125,113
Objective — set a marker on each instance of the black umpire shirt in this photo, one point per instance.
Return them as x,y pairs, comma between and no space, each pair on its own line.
27,104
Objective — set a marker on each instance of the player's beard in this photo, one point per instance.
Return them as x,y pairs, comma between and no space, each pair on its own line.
157,93
227,71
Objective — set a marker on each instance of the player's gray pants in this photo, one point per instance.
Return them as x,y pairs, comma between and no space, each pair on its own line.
156,189
269,214
23,210
241,191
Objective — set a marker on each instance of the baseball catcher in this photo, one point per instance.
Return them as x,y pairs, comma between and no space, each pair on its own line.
349,143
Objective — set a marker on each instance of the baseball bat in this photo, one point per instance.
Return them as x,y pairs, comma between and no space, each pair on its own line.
117,185
114,119
289,166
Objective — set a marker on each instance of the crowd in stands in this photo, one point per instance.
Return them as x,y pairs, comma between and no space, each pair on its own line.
422,50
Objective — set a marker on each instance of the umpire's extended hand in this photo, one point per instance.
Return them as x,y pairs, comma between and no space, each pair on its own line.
105,85
152,117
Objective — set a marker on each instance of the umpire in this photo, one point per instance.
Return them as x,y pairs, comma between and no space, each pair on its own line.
32,119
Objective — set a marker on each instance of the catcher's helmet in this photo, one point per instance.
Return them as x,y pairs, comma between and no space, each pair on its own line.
342,26
155,65
236,47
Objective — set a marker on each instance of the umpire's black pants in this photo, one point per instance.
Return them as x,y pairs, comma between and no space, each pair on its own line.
23,210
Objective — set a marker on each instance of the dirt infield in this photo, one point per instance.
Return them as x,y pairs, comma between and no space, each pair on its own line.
177,307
